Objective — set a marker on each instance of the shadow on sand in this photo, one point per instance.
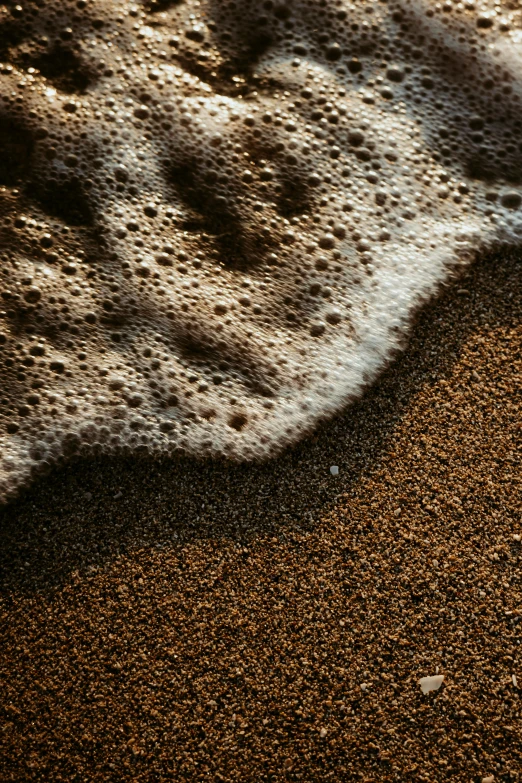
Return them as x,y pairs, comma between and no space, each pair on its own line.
89,512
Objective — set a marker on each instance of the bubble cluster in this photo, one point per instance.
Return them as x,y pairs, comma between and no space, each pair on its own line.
218,216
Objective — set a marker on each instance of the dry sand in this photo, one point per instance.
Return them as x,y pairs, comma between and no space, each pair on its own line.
201,622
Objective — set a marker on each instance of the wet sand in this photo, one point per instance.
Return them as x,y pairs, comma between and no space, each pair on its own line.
206,622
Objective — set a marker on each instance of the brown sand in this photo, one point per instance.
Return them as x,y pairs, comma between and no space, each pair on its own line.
201,622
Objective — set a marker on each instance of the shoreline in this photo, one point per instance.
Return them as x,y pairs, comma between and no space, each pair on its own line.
139,621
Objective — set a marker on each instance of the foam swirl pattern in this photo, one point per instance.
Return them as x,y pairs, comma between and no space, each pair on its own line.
218,218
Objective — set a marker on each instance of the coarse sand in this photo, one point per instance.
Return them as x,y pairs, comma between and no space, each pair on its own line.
197,621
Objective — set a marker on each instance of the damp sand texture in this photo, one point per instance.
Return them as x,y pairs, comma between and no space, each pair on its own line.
207,622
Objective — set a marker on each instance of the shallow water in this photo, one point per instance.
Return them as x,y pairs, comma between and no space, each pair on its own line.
219,218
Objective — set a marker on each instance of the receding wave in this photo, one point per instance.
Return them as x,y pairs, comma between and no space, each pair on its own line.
218,218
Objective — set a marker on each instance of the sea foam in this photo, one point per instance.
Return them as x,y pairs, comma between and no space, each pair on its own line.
218,218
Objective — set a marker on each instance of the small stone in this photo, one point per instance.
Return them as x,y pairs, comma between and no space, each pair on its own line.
514,680
323,733
334,470
431,683
488,779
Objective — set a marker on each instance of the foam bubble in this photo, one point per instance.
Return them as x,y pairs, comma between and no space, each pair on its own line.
216,225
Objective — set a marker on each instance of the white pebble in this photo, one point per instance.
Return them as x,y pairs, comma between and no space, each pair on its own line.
514,680
322,733
488,779
334,470
431,683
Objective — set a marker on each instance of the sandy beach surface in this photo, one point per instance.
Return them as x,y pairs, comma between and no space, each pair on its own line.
206,622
